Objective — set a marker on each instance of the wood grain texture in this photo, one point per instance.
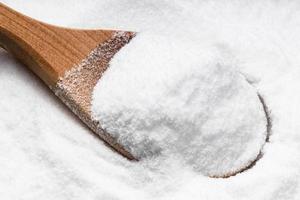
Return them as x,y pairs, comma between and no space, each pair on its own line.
48,50
69,61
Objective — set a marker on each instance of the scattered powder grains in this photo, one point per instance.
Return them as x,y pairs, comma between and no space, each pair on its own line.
163,96
75,88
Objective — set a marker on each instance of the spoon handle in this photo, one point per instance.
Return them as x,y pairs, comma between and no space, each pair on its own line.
49,51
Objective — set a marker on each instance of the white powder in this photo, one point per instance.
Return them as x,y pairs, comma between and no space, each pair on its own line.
46,153
162,96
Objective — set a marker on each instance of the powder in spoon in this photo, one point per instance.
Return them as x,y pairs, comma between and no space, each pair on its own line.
163,96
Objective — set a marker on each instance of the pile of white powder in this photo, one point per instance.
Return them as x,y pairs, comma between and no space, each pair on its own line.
163,96
46,153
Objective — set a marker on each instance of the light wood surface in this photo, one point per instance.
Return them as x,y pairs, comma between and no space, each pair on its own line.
51,51
48,50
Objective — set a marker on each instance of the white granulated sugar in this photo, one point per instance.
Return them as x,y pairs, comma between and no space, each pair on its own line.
166,96
46,153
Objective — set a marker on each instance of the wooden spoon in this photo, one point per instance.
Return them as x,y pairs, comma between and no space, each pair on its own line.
69,61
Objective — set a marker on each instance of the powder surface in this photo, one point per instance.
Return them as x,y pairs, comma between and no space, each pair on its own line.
163,96
47,153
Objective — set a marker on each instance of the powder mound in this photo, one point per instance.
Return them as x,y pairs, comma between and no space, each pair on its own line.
162,96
